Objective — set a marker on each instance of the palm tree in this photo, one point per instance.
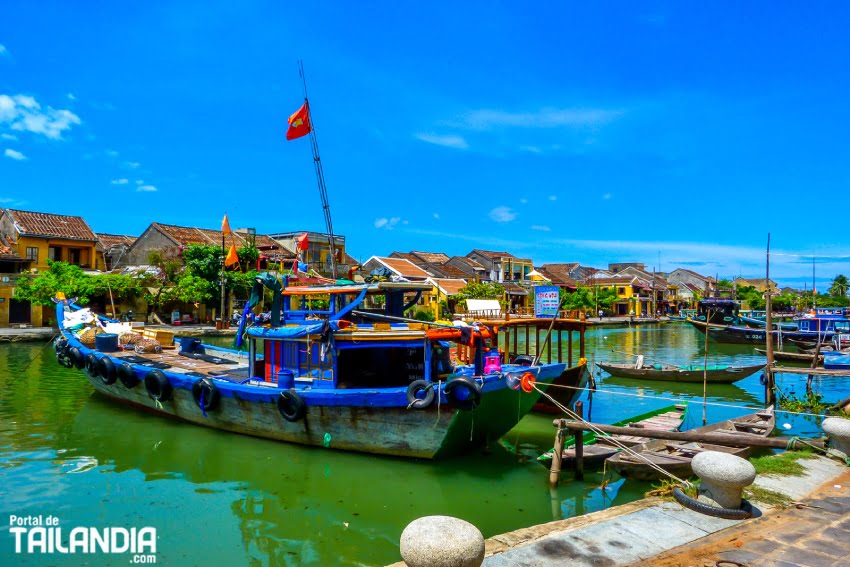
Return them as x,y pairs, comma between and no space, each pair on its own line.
839,286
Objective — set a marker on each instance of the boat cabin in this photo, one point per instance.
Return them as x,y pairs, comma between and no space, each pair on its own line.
718,311
355,336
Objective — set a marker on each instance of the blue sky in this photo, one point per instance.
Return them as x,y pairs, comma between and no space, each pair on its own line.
594,133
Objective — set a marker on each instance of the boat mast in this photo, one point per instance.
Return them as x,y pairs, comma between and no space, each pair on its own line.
769,393
814,285
320,175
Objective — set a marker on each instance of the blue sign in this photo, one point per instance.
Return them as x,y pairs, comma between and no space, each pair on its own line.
547,299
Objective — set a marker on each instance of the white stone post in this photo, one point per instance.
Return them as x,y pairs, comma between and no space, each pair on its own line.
724,477
441,541
838,430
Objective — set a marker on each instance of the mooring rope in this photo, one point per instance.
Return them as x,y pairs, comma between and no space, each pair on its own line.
610,438
688,401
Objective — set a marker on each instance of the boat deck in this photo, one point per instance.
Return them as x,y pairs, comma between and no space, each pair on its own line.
669,421
226,364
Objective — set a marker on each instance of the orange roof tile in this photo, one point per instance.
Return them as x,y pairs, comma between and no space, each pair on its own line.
31,223
404,268
450,286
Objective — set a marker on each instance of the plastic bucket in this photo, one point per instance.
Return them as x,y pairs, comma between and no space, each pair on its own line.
189,344
286,379
106,342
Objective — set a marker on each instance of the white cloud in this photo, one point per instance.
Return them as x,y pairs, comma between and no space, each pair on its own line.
540,227
487,119
14,154
606,196
111,153
437,216
71,96
502,214
122,181
447,141
146,188
24,114
524,201
10,137
3,50
139,182
531,149
387,223
132,164
553,197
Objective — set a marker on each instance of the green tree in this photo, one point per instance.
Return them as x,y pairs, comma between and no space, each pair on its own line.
74,282
581,298
839,286
248,256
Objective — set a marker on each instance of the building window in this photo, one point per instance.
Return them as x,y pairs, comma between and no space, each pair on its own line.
32,253
621,290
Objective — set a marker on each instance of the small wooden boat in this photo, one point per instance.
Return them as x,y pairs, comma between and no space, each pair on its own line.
791,356
715,374
598,448
675,456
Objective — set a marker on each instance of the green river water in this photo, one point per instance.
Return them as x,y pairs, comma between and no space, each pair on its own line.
217,498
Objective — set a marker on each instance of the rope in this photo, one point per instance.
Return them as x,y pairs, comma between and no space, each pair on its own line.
611,438
687,401
439,400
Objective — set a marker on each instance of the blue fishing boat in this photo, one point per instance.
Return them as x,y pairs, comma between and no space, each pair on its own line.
338,366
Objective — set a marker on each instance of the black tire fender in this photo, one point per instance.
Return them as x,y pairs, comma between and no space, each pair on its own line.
291,406
127,376
107,371
746,510
212,397
91,365
420,386
158,387
77,358
523,360
471,401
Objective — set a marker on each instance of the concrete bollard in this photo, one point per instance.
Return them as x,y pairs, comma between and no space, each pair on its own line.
441,541
724,477
838,430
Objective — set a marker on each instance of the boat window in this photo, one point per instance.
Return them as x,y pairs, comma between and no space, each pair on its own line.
380,367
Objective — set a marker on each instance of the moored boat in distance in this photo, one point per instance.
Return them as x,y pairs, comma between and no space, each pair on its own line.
351,373
693,373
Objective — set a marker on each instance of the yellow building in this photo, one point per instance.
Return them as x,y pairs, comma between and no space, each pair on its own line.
443,289
630,300
27,241
759,283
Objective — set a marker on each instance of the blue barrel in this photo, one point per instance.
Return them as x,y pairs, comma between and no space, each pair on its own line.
190,344
106,342
286,379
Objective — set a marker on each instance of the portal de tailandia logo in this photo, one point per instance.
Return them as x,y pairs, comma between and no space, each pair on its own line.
40,534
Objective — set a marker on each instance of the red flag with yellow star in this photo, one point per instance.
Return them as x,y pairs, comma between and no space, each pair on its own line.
299,123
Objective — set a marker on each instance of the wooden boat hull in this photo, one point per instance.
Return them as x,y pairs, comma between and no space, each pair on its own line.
370,420
744,335
675,456
791,356
713,376
567,389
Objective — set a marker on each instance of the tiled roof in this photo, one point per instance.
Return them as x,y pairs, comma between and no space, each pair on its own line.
557,277
263,242
30,223
491,254
404,268
614,281
187,236
469,262
451,271
6,251
450,286
514,289
693,273
107,241
406,256
431,257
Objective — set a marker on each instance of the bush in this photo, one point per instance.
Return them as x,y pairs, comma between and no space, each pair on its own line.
423,315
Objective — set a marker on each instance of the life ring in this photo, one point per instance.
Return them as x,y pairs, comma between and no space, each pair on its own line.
290,405
420,386
746,510
91,365
77,358
523,360
473,395
127,376
206,389
107,371
158,387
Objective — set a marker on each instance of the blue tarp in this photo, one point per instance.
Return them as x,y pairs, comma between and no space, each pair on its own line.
286,332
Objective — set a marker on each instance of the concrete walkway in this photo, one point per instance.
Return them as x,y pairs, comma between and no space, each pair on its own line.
642,532
32,334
